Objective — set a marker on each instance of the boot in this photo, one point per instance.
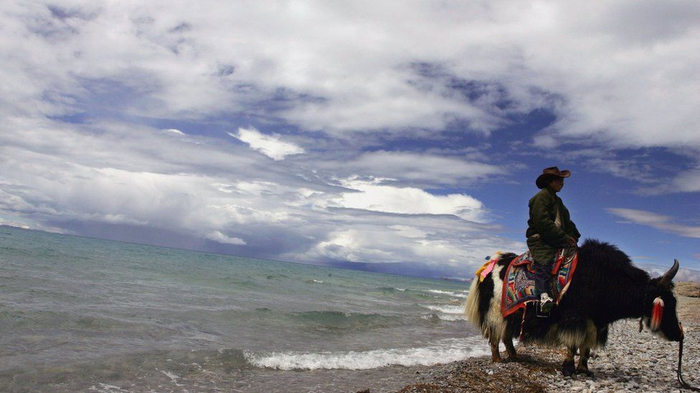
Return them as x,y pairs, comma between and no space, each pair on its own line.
546,303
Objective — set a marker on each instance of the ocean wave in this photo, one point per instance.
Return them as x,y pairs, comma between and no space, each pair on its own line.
447,317
42,318
338,320
447,313
445,351
391,289
446,309
442,317
462,295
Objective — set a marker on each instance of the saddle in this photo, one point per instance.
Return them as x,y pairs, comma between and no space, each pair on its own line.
519,283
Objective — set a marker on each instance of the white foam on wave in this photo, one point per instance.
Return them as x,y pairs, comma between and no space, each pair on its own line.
445,351
462,295
446,309
448,313
452,317
444,317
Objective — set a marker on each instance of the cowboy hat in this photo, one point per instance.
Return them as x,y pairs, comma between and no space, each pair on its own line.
548,174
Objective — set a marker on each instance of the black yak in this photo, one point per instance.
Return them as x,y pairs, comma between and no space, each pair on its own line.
606,287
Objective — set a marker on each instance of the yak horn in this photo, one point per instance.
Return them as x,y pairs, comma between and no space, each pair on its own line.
665,281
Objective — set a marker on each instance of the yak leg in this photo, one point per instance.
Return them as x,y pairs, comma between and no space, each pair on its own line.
568,367
508,341
493,340
495,356
585,348
583,362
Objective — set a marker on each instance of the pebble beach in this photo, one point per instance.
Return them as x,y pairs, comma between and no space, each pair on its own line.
632,361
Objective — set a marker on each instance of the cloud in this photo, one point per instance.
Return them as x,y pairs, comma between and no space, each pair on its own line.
425,239
657,221
270,146
405,200
221,238
195,187
166,183
639,168
688,181
611,70
424,168
174,131
434,169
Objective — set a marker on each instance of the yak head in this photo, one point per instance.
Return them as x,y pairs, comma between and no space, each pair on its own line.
660,306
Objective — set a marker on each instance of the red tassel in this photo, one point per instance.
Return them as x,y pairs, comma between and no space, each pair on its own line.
657,313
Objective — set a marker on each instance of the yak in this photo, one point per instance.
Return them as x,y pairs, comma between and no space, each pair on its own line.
605,288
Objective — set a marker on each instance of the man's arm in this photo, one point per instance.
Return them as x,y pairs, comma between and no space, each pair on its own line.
571,229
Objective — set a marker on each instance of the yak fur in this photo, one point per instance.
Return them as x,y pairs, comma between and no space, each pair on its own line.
605,288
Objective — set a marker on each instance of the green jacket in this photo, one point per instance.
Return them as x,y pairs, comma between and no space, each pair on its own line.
543,213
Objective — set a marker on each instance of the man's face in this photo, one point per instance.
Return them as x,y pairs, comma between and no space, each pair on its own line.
557,184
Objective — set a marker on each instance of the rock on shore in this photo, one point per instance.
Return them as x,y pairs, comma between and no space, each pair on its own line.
632,361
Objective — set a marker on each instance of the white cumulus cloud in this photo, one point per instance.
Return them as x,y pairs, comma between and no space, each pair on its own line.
407,200
269,145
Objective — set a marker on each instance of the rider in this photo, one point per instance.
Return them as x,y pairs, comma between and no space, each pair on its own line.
549,228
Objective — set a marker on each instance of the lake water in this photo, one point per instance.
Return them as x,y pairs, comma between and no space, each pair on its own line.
79,314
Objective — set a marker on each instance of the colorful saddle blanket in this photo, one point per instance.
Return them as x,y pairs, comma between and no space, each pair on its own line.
519,284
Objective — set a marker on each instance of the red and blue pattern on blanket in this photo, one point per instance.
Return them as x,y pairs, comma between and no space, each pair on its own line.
519,284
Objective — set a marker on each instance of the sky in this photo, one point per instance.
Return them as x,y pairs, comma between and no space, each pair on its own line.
397,136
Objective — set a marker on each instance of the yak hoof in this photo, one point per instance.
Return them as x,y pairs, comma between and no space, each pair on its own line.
496,359
586,371
568,368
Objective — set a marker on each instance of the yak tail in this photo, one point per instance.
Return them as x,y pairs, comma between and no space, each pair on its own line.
471,307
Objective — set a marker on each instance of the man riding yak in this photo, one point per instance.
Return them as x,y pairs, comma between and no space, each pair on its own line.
593,286
548,229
